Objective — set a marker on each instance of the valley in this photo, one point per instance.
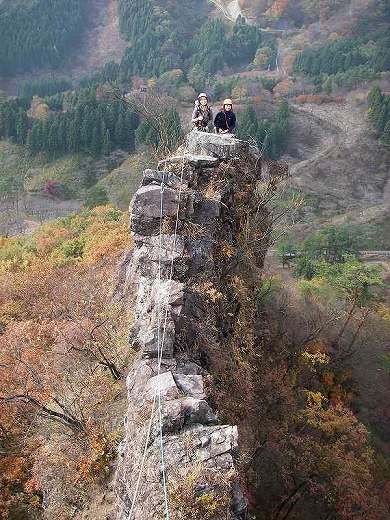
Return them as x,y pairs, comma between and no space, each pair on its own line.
194,326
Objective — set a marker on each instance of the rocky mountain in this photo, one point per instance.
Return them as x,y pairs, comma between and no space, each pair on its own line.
219,352
177,281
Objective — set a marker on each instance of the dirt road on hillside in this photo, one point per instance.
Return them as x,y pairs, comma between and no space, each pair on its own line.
337,160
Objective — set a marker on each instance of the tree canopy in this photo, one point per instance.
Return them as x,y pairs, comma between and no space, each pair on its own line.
37,33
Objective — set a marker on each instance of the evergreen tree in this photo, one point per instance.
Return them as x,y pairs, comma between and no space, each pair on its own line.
97,196
244,42
21,126
198,78
328,86
263,136
375,97
44,135
71,130
378,108
73,139
386,134
30,144
172,129
107,146
249,125
86,129
120,131
97,140
110,118
52,138
62,135
38,33
210,46
383,116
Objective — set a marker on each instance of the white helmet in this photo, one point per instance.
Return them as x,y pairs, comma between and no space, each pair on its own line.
202,94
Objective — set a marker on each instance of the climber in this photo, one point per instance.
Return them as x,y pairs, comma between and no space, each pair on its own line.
225,120
202,115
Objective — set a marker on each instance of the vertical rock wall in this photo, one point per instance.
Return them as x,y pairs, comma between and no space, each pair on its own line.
179,296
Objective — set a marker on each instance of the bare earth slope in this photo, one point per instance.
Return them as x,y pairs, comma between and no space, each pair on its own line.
101,43
338,163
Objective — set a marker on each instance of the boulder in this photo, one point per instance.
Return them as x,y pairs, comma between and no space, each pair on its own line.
190,385
150,202
221,146
197,161
159,177
147,202
153,253
150,333
166,384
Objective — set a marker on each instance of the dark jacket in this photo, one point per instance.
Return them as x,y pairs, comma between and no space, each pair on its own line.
225,121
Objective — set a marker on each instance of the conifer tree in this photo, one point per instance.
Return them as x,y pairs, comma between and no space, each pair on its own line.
21,126
62,135
248,124
107,146
328,86
73,138
120,131
96,144
52,138
30,142
172,129
386,134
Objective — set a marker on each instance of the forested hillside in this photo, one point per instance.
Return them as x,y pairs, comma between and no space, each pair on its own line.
37,33
360,56
87,125
300,361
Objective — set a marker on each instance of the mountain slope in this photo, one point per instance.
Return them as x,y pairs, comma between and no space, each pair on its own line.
348,167
100,43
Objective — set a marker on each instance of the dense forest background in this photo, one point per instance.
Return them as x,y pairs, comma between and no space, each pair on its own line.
74,146
38,33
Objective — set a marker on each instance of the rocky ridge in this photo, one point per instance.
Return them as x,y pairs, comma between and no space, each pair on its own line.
177,280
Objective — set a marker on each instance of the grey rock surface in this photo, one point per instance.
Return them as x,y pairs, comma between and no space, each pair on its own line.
220,146
169,313
197,161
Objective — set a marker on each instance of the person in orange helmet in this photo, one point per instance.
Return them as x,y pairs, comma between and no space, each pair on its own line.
225,120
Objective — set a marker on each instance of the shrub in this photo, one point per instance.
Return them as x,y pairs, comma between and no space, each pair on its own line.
73,248
96,196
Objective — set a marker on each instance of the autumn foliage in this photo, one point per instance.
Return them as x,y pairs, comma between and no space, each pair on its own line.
318,99
62,352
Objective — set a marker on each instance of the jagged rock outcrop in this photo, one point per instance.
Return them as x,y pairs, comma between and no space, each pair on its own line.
182,217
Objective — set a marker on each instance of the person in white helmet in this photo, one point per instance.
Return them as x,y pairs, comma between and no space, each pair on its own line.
202,115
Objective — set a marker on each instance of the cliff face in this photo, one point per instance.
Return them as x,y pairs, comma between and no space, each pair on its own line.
189,220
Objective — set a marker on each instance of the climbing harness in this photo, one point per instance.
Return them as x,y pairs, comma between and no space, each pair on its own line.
160,349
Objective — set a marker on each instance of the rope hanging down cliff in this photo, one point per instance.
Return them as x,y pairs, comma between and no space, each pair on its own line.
160,349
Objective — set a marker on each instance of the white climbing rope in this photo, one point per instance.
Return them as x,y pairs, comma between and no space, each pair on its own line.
160,348
159,358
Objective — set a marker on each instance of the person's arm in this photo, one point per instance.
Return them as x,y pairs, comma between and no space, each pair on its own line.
195,116
217,122
234,120
211,117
